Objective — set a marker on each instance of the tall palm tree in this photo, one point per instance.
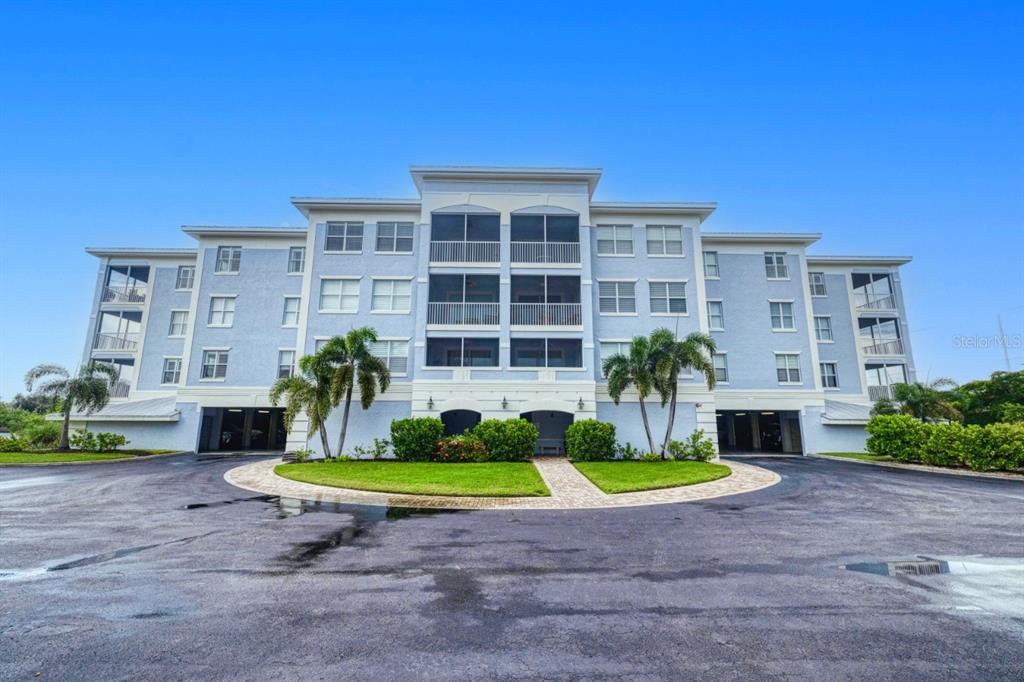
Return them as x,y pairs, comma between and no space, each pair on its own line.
670,357
353,365
926,401
307,391
634,369
89,390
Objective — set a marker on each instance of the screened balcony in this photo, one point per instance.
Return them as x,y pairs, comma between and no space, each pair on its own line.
125,368
880,336
873,291
882,377
546,300
126,284
545,238
463,300
465,238
118,330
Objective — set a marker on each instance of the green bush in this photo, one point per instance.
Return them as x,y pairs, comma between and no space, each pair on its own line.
995,446
696,447
898,435
627,451
413,440
464,448
507,440
42,434
108,442
650,457
12,444
590,440
84,439
946,445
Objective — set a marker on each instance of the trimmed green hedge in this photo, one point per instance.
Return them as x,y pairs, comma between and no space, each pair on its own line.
590,440
414,440
905,439
508,440
422,439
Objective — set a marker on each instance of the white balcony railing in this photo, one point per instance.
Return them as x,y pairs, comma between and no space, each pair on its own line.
119,389
124,294
465,252
550,314
886,302
880,392
889,347
463,313
127,341
545,252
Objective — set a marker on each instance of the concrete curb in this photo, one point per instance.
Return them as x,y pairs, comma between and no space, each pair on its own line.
133,458
928,469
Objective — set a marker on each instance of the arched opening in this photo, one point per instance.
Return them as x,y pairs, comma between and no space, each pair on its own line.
551,426
458,421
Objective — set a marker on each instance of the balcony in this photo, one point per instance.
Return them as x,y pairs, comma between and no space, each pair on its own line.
546,252
119,389
465,252
885,347
126,342
880,392
547,314
463,313
886,302
124,294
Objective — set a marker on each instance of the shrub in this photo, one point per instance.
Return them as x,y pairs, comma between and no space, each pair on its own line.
650,457
379,449
302,455
42,434
507,440
108,442
83,439
590,440
945,446
995,446
12,444
897,435
413,440
464,448
627,451
696,447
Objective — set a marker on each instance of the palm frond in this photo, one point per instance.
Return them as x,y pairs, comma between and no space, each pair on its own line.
40,371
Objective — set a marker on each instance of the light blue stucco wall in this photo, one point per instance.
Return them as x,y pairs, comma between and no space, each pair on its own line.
363,425
843,350
180,435
820,437
629,425
157,344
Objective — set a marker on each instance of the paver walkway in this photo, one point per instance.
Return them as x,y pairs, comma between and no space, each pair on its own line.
569,489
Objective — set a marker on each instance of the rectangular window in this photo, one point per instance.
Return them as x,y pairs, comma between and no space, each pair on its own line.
290,317
616,297
610,348
391,296
285,363
711,264
215,364
716,315
339,295
547,352
721,367
782,316
171,373
775,265
823,328
344,237
817,281
615,240
394,353
668,297
186,277
296,259
459,352
222,311
829,375
229,259
787,367
394,237
179,323
664,240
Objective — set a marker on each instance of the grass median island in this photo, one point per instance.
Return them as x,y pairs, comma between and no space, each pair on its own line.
863,456
488,479
33,457
617,476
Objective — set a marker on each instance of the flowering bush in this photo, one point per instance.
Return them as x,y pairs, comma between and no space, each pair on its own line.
464,448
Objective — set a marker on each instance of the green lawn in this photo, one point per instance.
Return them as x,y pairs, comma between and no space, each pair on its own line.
491,479
30,457
624,477
858,455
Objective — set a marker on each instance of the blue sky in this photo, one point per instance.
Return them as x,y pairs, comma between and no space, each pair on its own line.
892,130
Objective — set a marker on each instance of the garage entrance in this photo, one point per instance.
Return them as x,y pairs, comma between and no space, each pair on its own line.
242,428
759,431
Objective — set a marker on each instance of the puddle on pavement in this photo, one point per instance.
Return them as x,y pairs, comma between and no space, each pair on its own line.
221,503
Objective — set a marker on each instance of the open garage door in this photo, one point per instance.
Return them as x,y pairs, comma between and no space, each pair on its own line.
768,431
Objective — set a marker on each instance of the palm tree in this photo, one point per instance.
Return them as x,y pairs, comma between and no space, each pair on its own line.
307,391
634,369
88,391
670,356
926,401
353,364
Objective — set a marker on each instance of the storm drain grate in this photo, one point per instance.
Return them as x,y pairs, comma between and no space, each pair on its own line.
916,568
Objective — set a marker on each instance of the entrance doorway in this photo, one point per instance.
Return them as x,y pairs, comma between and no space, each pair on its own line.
458,421
551,428
242,428
759,431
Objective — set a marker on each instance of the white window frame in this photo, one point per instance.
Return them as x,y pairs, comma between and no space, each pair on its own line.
623,347
667,298
290,366
223,313
296,260
813,282
789,369
388,359
724,355
825,376
782,315
664,241
714,265
392,296
175,372
341,296
616,240
345,226
777,265
285,312
618,312
181,275
817,330
184,325
721,314
229,260
204,364
394,237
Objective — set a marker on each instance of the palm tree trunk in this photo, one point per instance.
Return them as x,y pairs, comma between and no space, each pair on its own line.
324,443
647,425
344,420
65,432
671,416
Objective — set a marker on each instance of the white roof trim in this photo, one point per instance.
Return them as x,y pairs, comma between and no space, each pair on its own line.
198,231
506,173
129,252
760,237
545,210
472,209
858,260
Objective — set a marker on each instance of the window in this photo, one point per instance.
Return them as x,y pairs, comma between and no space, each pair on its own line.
721,362
711,264
285,363
610,348
394,237
459,352
873,291
817,280
716,315
171,373
829,375
222,311
664,240
179,323
215,364
186,277
229,259
344,238
394,353
668,298
787,367
615,240
616,297
390,296
782,316
339,295
290,317
775,265
547,352
296,260
823,328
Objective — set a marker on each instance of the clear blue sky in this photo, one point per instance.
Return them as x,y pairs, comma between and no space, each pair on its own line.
892,130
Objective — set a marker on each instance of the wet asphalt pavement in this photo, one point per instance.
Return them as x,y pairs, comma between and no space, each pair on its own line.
161,570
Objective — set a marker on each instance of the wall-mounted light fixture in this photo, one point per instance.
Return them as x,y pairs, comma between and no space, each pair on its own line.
580,403
504,402
430,402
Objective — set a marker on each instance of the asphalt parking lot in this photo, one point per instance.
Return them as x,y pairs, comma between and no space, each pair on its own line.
160,569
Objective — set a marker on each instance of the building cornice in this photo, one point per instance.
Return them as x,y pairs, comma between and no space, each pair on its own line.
198,231
859,260
115,252
804,238
702,209
506,173
307,204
